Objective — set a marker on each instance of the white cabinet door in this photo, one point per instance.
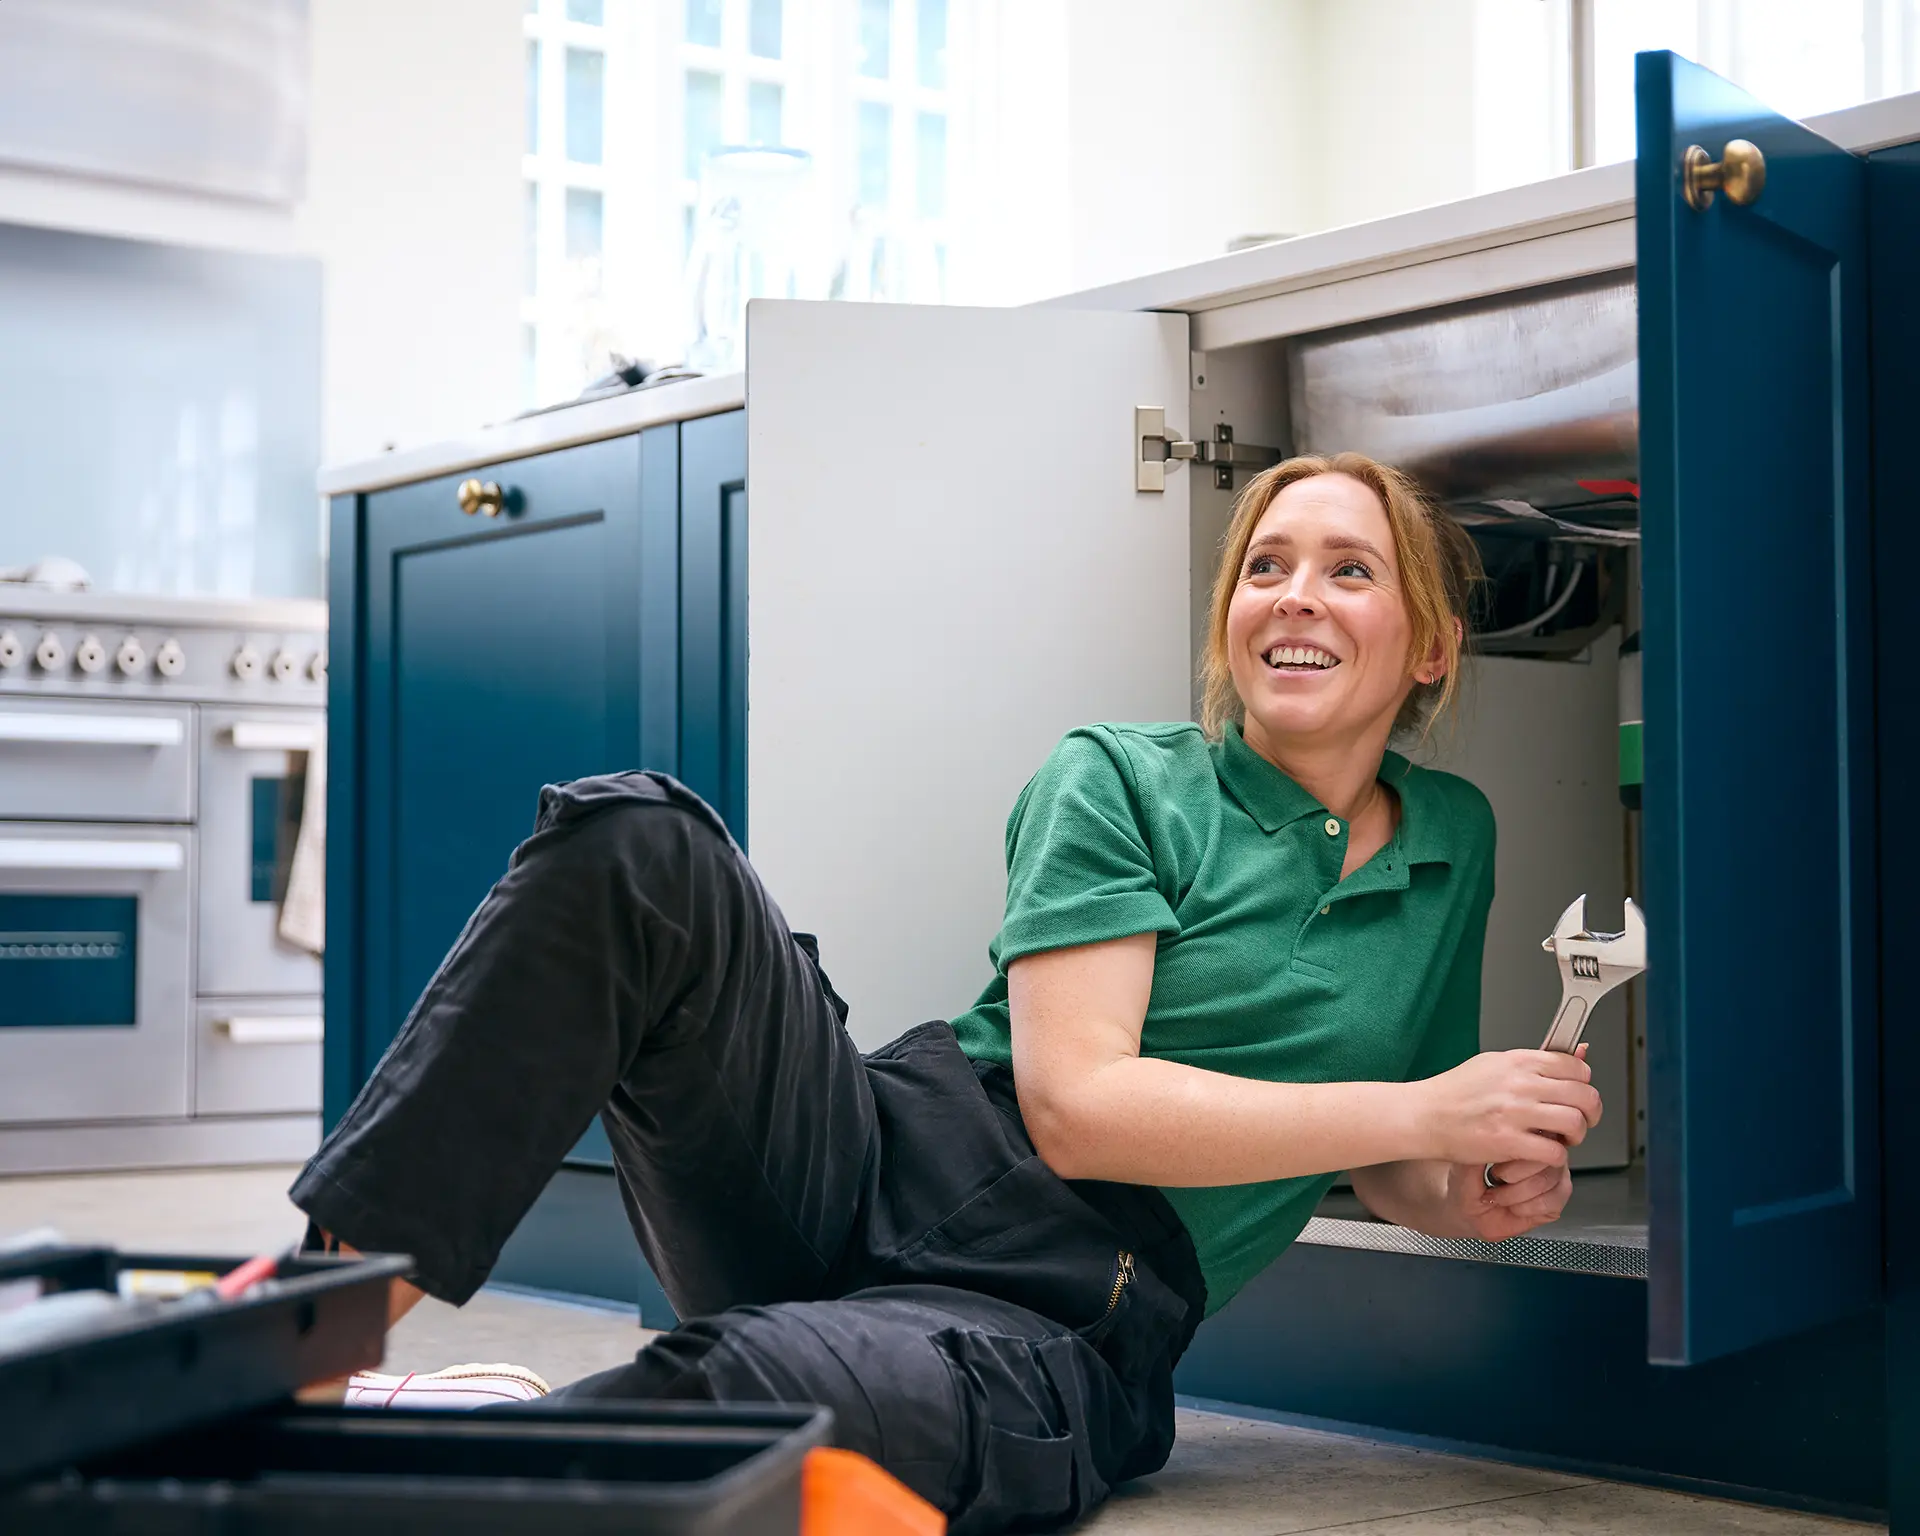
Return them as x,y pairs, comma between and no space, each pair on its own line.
948,567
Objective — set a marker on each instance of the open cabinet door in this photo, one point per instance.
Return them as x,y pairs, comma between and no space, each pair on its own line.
948,567
1759,832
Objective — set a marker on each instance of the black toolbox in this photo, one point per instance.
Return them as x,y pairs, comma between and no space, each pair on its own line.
126,1370
175,1418
639,1469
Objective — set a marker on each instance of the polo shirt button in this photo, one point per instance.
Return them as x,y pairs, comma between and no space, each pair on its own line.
1325,910
1333,827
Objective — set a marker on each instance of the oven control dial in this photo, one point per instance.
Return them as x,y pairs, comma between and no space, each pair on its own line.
90,656
317,668
131,657
170,660
246,664
12,652
285,666
50,655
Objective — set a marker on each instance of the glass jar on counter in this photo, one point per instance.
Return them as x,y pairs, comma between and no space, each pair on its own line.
755,235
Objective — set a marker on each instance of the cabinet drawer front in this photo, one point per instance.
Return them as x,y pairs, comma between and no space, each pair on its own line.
63,759
256,1056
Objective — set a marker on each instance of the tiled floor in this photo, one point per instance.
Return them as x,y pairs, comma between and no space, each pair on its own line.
1228,1476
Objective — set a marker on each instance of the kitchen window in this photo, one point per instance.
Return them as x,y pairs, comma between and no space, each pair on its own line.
625,99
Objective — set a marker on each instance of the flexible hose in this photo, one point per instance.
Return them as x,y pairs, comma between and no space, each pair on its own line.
1553,608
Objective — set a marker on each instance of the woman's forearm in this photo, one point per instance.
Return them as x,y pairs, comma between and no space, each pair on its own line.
1142,1120
1414,1194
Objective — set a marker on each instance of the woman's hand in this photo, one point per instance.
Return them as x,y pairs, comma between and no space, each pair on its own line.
1507,1210
1523,1107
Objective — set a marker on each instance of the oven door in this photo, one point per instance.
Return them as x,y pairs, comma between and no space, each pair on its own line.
252,788
96,951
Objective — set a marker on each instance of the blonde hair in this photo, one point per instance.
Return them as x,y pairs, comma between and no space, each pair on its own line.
1439,568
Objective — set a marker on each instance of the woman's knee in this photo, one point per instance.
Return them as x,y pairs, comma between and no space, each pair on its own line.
641,827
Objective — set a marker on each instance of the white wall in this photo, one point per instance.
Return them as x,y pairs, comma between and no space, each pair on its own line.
413,204
1189,125
1128,136
1392,106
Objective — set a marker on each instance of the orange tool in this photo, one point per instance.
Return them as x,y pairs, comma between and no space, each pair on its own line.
844,1494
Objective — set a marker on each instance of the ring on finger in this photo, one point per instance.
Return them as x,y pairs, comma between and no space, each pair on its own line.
1486,1174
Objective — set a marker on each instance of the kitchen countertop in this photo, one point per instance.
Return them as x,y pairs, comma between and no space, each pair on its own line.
19,600
563,427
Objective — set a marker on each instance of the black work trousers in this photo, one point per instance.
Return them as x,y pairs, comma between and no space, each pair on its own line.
871,1233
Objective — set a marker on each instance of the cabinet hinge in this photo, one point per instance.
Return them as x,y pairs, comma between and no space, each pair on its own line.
1156,447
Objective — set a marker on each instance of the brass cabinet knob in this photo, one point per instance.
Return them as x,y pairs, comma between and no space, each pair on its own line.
486,498
1740,172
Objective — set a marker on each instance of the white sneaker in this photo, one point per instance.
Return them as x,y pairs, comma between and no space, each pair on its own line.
458,1386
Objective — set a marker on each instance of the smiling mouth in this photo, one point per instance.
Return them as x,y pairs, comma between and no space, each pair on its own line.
1300,658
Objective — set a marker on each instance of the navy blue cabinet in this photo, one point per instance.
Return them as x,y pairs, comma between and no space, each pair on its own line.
594,622
1762,981
713,631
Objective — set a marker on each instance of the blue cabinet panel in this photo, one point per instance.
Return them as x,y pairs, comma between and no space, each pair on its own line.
1762,1030
501,654
515,617
713,597
1893,185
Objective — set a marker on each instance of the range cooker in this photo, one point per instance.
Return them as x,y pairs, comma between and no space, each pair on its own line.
153,758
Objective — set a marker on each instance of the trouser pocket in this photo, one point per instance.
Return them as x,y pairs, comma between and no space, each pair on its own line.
1029,1434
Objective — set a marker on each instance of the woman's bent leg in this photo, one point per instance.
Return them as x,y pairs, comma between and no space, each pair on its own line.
989,1411
629,961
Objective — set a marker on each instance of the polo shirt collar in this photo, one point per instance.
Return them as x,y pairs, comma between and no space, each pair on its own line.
1426,820
1270,797
1273,800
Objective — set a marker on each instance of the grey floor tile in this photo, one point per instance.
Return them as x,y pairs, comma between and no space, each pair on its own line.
217,1210
1607,1509
1244,1477
559,1341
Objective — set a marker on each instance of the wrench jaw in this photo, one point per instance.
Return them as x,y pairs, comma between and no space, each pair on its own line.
1591,966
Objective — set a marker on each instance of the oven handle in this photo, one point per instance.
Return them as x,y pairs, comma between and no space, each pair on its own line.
272,736
259,1029
94,730
88,853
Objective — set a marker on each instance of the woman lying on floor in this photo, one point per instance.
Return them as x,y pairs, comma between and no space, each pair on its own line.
1237,960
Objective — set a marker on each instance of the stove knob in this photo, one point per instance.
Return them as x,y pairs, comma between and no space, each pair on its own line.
131,657
12,652
90,656
285,666
317,668
50,655
170,660
246,664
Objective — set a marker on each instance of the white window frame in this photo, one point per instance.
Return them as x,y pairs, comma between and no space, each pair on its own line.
907,98
1890,62
641,306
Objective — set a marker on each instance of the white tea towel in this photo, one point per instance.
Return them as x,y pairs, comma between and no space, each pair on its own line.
303,914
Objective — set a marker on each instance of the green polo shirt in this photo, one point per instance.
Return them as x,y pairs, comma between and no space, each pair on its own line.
1268,965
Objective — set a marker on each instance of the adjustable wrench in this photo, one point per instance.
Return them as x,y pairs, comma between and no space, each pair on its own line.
1591,966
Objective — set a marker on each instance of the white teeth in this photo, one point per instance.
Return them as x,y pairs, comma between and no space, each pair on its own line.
1301,656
